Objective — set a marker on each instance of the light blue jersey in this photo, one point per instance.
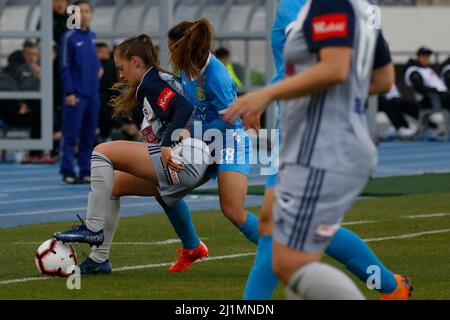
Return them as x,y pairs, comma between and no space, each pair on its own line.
211,94
287,13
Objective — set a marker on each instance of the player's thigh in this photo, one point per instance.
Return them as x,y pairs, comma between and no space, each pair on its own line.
266,216
130,157
126,184
286,261
232,192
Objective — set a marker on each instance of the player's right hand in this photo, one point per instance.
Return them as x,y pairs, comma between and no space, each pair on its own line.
170,161
71,100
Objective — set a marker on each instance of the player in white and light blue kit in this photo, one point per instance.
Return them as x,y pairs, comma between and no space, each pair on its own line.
327,154
210,88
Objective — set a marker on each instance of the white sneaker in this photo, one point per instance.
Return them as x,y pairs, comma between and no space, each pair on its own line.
408,133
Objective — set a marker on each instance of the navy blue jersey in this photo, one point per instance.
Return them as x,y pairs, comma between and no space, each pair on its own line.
164,105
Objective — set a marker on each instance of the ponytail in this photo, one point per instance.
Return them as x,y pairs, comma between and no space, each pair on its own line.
190,44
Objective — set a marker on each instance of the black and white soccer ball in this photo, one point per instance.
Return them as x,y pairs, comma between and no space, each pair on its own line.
55,258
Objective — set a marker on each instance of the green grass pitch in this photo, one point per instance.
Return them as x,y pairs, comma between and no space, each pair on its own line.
417,246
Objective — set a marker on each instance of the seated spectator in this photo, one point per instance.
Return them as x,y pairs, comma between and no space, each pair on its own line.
109,78
224,55
396,107
425,82
444,72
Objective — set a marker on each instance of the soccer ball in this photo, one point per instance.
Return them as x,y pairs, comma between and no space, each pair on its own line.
54,258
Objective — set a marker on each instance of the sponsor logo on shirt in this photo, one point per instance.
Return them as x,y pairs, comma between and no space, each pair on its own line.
79,44
164,98
330,26
200,93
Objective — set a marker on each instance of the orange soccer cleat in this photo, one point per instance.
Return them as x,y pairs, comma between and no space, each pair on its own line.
403,290
188,257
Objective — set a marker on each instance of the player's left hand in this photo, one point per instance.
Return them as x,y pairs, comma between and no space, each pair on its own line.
249,107
170,161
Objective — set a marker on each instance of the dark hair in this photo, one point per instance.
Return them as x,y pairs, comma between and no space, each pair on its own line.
102,45
140,46
190,44
77,3
28,44
222,53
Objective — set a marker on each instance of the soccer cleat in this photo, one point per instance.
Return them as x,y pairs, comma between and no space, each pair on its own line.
188,257
403,290
89,266
81,234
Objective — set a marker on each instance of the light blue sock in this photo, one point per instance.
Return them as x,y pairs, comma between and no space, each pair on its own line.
250,228
350,250
262,280
180,218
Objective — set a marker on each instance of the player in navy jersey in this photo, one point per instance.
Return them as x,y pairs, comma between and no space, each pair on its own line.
346,247
165,169
327,154
210,88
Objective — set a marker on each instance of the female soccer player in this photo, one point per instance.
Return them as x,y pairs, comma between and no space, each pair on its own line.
327,154
346,247
210,88
165,170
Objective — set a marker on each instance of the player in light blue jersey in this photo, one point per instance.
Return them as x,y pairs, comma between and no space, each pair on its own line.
210,88
345,246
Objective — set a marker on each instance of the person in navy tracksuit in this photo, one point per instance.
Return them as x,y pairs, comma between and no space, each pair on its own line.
80,72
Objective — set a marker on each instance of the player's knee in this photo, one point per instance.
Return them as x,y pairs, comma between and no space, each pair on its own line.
284,267
235,213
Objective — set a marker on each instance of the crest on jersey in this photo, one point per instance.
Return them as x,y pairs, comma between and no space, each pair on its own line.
200,93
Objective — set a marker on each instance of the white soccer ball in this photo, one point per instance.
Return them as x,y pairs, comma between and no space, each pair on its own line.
54,258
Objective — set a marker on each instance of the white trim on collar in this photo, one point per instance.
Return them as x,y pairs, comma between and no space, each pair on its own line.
137,89
204,68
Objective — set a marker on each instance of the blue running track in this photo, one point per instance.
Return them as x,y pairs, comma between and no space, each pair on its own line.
35,194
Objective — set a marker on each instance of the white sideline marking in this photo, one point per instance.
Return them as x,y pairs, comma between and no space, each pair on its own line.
128,268
424,216
142,243
410,235
352,223
231,256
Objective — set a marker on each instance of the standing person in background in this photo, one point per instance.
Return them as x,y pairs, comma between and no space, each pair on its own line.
225,57
80,72
105,121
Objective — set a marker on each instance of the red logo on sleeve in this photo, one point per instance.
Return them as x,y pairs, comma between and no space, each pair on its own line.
164,98
330,26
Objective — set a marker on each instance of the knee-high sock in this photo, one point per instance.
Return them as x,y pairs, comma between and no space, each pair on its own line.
250,228
261,280
101,254
349,249
181,220
319,281
102,183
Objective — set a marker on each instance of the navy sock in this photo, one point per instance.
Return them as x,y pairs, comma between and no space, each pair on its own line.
262,280
250,228
349,249
180,218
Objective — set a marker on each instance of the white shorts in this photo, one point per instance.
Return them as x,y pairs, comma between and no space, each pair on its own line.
311,204
173,186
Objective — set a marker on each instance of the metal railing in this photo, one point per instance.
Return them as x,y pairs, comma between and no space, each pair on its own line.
45,94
